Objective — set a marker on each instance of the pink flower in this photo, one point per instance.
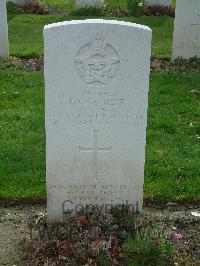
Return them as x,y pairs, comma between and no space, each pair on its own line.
177,238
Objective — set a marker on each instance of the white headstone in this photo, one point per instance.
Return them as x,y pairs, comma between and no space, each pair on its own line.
4,44
158,2
186,41
97,81
89,3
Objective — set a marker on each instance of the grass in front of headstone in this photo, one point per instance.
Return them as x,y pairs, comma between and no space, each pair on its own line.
173,136
26,38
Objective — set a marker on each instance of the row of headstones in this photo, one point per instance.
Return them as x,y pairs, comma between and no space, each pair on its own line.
186,41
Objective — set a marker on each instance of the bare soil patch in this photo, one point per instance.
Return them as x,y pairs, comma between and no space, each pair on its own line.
15,222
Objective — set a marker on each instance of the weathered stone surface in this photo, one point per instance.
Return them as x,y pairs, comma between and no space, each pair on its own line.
97,81
4,44
186,41
16,1
89,3
158,2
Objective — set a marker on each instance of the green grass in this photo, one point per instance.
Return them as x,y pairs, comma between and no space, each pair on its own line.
26,37
172,164
113,4
22,168
66,5
26,34
172,154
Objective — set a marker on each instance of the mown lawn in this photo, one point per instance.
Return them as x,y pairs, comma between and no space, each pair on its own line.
26,38
172,170
172,157
173,137
22,156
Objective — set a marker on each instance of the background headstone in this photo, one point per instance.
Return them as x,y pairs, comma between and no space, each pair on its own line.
186,40
4,44
89,3
97,81
158,2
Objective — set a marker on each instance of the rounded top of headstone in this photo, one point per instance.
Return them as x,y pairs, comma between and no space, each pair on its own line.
96,21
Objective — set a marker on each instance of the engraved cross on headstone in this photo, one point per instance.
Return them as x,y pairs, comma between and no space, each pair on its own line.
95,149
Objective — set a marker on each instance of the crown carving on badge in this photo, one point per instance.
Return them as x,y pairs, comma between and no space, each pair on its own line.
99,43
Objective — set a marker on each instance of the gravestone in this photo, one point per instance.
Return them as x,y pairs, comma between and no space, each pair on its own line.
158,2
97,81
186,40
4,44
89,3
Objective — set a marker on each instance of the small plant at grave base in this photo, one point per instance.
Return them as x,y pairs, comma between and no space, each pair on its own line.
148,247
34,7
135,7
94,238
